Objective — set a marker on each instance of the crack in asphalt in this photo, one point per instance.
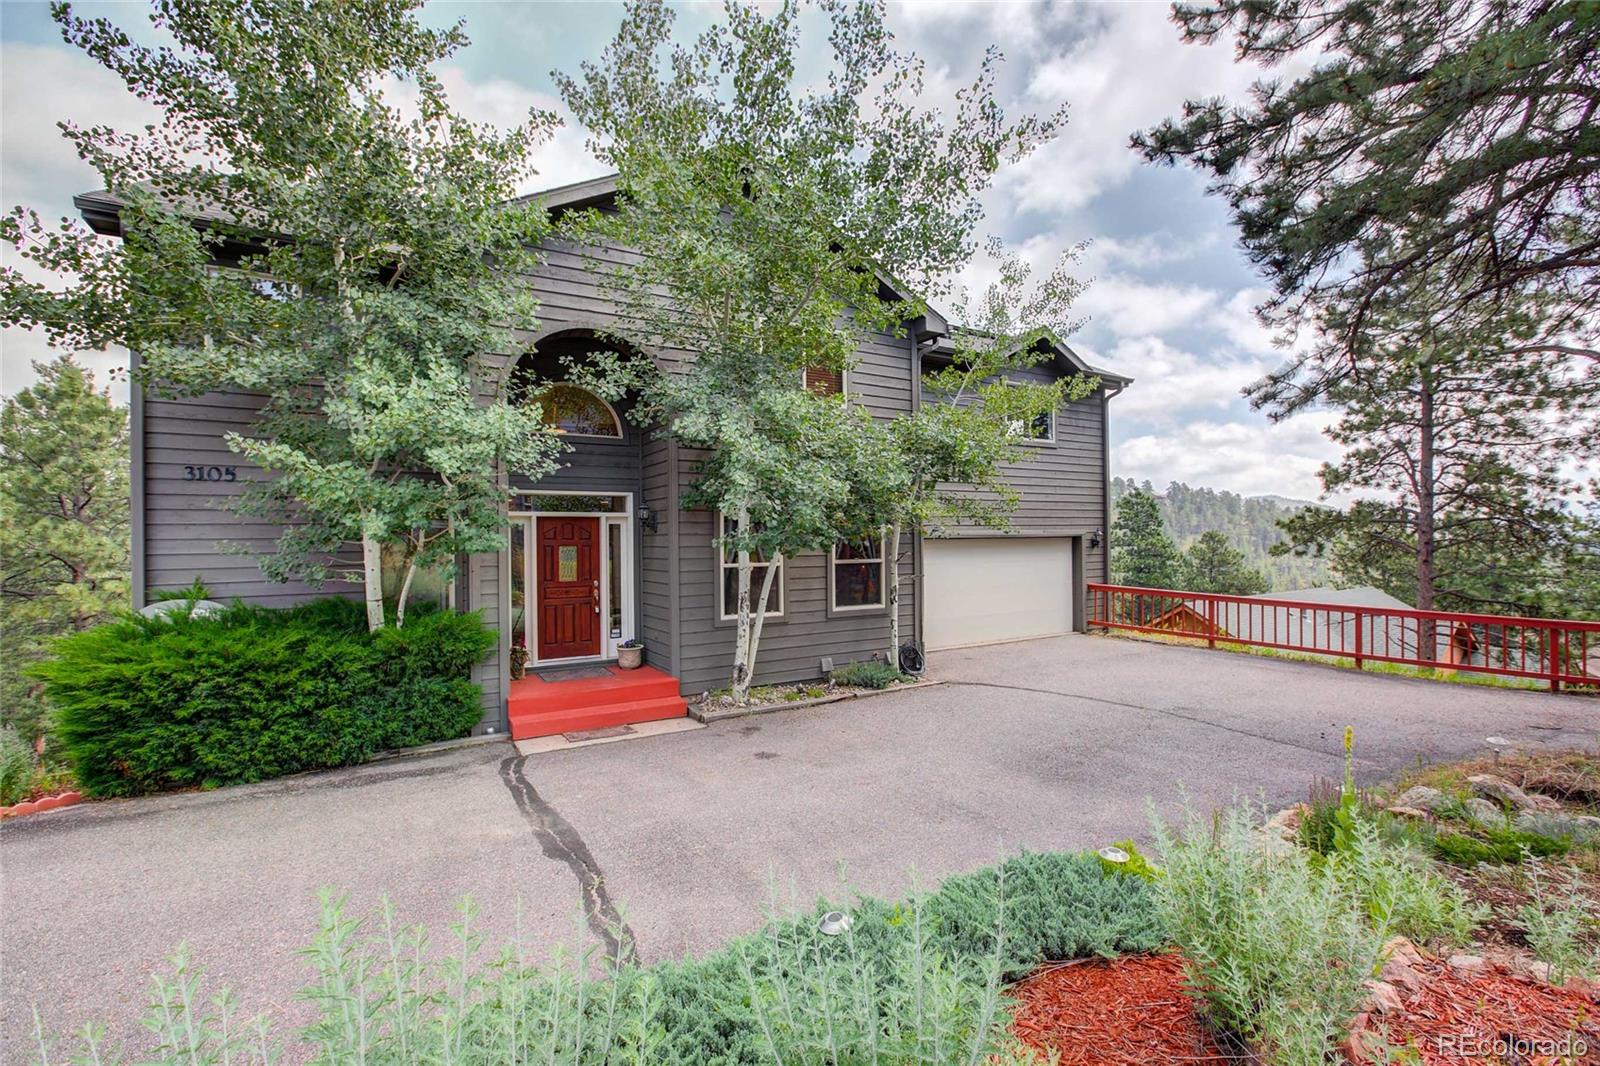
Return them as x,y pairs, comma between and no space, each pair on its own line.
560,841
1141,707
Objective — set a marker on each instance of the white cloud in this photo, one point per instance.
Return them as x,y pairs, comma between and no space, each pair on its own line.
1128,306
1173,387
1252,458
1125,69
21,348
40,86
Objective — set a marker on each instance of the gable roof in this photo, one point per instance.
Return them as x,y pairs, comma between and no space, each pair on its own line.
1067,360
102,210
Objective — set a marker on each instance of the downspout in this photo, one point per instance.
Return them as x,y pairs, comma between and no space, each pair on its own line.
916,537
137,568
1105,480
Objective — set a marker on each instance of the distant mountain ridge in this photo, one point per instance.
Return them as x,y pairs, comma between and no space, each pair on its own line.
1249,522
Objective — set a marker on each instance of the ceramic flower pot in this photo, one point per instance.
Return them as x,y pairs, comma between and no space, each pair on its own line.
630,658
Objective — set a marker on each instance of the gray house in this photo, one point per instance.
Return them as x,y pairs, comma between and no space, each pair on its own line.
600,552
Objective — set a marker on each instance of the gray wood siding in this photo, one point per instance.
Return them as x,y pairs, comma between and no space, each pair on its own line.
188,531
655,553
1062,483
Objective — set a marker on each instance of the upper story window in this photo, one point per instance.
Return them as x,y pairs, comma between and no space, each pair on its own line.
1041,429
575,410
728,577
824,382
855,578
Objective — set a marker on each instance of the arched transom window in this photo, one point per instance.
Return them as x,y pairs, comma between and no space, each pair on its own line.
574,409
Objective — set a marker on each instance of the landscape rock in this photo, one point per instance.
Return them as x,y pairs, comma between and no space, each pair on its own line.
1420,798
1410,812
1363,1041
1484,813
1494,787
1285,824
1383,998
1468,965
1274,842
1402,966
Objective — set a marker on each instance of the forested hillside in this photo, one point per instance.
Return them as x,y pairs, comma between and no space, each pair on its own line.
1249,522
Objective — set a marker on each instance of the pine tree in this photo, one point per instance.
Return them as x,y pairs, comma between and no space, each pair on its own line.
64,537
1211,564
1141,552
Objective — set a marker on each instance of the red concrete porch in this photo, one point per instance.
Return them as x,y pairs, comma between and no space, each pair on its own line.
593,697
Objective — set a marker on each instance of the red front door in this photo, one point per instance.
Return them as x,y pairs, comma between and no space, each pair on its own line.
568,580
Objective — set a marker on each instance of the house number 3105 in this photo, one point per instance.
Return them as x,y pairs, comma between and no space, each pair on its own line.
210,473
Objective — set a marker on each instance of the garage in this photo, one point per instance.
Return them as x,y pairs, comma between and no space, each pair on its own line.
982,590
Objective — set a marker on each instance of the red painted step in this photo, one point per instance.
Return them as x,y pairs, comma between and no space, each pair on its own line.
539,708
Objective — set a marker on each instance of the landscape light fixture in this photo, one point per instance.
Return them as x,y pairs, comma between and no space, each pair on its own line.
833,923
1113,854
1495,744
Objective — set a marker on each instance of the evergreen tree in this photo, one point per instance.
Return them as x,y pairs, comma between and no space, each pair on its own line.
1455,140
1458,438
64,537
1141,552
1211,564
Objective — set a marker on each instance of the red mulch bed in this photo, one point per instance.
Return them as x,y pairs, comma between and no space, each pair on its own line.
1494,1017
1132,1011
1128,1011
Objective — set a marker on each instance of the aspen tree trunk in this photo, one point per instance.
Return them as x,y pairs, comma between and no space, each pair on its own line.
761,615
372,575
405,590
740,684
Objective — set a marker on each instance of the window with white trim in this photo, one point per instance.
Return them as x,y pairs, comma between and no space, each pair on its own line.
1041,430
855,575
728,576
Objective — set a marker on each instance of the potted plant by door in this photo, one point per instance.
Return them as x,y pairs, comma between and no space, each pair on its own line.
519,662
630,654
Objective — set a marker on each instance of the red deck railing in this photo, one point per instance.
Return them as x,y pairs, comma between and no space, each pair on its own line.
1553,650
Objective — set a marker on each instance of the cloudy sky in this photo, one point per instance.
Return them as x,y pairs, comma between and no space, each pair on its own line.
1170,304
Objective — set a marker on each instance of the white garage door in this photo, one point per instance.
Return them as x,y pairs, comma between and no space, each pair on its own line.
981,590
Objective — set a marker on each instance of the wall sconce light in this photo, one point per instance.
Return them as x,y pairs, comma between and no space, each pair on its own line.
1096,537
648,519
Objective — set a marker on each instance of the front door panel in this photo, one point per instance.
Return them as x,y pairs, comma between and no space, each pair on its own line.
568,578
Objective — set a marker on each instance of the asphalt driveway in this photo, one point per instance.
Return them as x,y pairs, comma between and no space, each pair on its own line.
685,838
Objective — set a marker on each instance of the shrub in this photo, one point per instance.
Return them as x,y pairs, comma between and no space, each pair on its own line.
16,766
867,674
1394,883
913,982
252,693
1497,845
1558,928
1277,947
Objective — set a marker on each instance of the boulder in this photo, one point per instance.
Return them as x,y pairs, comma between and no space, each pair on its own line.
1481,812
1503,792
1420,798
